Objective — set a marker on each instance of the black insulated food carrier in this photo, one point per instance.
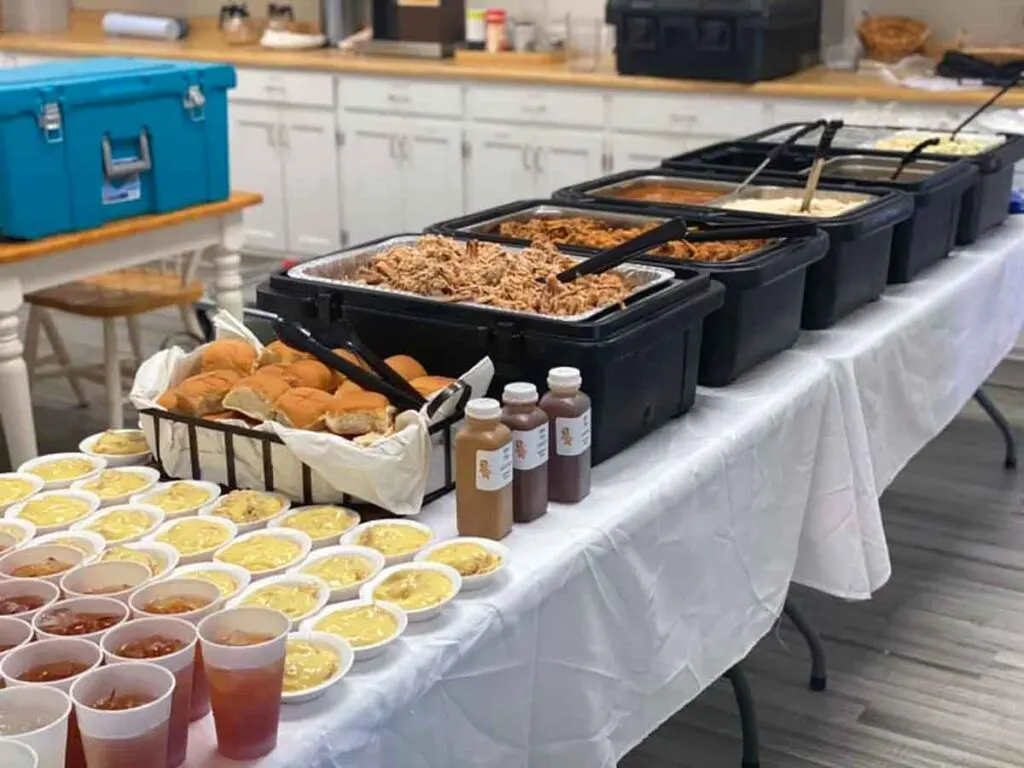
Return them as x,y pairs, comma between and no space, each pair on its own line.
764,289
853,273
639,362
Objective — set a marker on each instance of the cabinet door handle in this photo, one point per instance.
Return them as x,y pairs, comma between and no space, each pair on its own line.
536,160
526,158
403,144
271,135
283,136
393,147
396,98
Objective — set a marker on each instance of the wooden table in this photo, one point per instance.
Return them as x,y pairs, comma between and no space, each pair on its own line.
26,267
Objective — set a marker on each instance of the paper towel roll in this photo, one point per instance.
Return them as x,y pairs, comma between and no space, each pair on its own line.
135,25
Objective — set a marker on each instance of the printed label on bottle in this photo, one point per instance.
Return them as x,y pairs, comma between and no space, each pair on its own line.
494,468
573,435
531,448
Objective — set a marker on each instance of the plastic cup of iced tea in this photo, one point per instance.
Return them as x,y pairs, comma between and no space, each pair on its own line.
14,633
37,717
124,711
24,598
244,653
170,643
87,618
200,598
14,754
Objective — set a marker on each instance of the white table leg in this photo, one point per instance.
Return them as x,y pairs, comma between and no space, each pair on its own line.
15,398
112,375
226,262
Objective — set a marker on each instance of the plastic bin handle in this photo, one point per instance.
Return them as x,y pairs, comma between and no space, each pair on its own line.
119,169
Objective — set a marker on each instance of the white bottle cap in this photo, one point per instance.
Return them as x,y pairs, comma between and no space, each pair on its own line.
520,392
564,378
484,409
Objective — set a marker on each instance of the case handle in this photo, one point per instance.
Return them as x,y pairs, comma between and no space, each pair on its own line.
120,169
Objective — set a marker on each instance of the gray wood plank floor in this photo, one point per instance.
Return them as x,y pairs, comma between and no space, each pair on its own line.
929,674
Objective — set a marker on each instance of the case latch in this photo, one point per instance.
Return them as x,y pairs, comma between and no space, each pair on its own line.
51,123
195,103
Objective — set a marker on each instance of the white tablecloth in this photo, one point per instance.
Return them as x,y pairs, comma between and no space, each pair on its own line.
615,614
903,368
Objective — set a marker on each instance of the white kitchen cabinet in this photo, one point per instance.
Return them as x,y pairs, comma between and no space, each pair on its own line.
629,152
256,166
565,157
432,178
500,166
309,151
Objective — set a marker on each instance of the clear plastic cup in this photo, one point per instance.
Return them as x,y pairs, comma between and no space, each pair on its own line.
184,587
80,606
37,716
14,754
126,738
14,633
246,681
179,663
116,580
16,589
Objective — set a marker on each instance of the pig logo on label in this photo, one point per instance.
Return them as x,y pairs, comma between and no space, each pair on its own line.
520,449
485,469
566,437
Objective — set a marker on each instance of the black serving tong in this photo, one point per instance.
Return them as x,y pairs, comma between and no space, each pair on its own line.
776,153
768,230
820,156
913,156
984,107
298,337
355,345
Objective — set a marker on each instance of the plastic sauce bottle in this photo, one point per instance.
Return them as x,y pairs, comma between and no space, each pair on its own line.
569,453
529,425
483,472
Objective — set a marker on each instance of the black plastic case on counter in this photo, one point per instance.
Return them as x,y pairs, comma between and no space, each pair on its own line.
922,240
764,292
853,273
639,363
986,203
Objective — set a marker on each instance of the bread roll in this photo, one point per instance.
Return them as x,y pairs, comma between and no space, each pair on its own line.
204,393
168,400
348,388
230,416
254,396
302,408
406,367
310,373
277,352
430,385
228,355
339,377
358,413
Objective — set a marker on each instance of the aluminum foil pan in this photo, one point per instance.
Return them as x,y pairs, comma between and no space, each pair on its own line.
339,269
878,168
618,190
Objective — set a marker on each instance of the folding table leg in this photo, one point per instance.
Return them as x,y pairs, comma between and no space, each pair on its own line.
1009,437
748,716
819,665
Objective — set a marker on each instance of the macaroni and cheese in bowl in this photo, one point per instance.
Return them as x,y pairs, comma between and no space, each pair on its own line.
231,580
249,510
119,447
296,596
196,538
266,553
22,531
179,498
314,662
344,567
325,524
16,487
60,470
398,540
420,589
478,561
369,627
159,558
122,524
53,511
117,486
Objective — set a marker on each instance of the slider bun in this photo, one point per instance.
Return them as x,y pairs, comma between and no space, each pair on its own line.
310,373
228,355
230,416
278,352
339,377
357,413
255,395
204,393
430,385
168,400
302,408
406,367
348,388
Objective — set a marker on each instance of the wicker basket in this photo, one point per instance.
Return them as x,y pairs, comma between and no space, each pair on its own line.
891,38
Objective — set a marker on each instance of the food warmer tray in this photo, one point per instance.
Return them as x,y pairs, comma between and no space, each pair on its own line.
937,186
764,289
853,273
986,204
639,362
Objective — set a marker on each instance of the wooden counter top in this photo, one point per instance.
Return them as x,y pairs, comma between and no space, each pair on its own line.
86,38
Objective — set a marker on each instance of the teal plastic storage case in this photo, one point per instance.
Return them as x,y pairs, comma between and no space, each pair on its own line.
86,142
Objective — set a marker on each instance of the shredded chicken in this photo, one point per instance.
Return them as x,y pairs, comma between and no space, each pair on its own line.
488,274
593,233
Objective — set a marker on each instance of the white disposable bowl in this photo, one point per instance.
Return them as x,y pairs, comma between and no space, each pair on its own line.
206,555
14,754
241,576
47,590
91,544
345,659
472,582
304,542
165,553
85,580
287,579
210,510
352,537
91,500
281,521
128,460
99,464
44,651
176,587
148,474
22,530
155,515
420,614
35,481
91,604
351,590
30,555
367,651
7,542
211,488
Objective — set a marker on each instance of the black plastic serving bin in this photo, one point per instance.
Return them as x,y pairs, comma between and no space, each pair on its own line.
922,240
986,203
639,363
763,291
853,273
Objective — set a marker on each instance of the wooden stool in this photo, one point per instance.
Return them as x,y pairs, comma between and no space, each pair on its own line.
124,294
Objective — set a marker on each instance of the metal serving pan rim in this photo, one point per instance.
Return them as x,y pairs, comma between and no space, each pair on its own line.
647,278
920,169
542,210
672,181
